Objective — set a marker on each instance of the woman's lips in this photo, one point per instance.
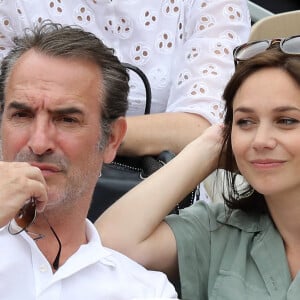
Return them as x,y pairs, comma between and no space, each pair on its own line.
267,163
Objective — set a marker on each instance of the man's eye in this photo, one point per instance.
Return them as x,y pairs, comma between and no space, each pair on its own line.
69,120
21,114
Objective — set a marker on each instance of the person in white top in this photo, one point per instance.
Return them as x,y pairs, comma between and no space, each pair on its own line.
183,46
63,101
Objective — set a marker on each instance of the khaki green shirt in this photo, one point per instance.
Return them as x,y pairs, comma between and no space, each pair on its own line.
242,257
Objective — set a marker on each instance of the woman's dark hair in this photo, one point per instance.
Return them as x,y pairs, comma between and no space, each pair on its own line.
73,42
248,199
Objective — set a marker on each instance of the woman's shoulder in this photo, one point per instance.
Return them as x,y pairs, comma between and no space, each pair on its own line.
212,216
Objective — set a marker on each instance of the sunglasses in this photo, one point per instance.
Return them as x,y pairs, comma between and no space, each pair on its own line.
290,45
24,218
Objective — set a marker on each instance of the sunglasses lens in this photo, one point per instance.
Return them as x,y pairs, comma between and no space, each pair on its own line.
249,50
24,217
291,45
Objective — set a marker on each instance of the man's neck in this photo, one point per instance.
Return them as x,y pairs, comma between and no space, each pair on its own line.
52,235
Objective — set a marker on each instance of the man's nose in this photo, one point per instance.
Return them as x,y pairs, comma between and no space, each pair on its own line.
41,140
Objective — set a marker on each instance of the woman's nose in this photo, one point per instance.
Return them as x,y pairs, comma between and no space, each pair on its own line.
264,138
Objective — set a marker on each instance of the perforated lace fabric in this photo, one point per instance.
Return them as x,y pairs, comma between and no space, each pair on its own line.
183,46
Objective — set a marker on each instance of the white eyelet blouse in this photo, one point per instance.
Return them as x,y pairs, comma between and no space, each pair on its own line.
183,46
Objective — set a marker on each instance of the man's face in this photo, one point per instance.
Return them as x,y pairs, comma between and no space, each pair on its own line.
51,119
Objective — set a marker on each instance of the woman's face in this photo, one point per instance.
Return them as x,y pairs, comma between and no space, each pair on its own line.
266,131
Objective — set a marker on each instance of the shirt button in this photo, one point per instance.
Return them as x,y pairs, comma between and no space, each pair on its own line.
43,268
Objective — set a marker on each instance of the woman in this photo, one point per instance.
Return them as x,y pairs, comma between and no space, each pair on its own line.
250,247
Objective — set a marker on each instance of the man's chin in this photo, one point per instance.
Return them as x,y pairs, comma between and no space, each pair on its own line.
51,206
55,200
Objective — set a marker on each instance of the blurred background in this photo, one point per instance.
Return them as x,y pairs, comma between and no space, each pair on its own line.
277,6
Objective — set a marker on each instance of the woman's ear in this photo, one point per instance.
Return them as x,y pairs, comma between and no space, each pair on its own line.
117,134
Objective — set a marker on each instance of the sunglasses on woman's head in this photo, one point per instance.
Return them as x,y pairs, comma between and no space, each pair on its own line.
290,45
24,217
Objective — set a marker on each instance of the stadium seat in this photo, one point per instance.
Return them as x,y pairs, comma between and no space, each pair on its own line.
277,25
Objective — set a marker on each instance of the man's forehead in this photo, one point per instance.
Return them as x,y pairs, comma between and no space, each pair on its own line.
53,81
45,69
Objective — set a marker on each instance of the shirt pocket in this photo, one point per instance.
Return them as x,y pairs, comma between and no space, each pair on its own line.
230,285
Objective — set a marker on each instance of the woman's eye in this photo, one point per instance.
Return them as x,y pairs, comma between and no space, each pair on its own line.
244,122
288,121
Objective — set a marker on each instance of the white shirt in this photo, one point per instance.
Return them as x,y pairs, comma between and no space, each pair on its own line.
183,46
93,272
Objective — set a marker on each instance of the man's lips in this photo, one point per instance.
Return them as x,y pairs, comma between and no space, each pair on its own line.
46,168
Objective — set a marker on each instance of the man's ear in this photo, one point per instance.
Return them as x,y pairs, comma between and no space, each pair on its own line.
117,134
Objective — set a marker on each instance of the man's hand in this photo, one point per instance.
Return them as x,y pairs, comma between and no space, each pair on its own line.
19,181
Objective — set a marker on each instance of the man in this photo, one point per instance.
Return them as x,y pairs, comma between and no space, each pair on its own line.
183,47
64,97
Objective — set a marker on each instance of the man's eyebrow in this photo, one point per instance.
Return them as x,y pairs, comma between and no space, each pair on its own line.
68,110
18,105
24,106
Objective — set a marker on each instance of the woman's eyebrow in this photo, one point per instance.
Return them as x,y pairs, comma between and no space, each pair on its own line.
243,109
286,108
283,108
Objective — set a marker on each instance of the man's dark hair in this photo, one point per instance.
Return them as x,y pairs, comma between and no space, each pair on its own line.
73,42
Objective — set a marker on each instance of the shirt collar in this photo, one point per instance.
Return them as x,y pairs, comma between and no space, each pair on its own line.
248,222
94,251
